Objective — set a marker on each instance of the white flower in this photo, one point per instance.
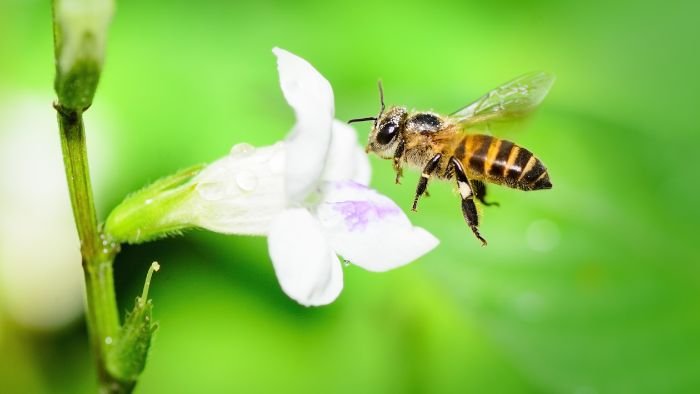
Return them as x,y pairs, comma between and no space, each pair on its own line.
308,194
329,209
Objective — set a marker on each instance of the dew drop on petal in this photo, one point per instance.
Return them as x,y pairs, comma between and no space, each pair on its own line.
246,180
211,191
242,149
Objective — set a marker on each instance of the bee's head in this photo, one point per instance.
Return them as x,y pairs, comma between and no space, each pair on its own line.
386,132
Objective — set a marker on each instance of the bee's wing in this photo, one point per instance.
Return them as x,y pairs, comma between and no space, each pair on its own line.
512,100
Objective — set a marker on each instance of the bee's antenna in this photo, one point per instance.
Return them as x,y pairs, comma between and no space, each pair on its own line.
362,119
381,97
381,100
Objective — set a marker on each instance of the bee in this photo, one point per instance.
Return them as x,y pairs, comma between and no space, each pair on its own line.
448,148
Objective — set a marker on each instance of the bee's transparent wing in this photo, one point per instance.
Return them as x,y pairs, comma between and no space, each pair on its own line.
512,100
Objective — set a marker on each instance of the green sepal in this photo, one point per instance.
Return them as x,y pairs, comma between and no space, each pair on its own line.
152,212
126,358
76,88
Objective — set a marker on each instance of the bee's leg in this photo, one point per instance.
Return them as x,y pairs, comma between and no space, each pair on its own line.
468,206
480,193
398,156
423,182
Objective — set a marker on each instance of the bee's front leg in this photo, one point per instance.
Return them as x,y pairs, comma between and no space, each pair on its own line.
467,195
424,177
398,169
398,156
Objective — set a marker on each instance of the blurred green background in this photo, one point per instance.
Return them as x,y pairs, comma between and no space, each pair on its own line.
592,287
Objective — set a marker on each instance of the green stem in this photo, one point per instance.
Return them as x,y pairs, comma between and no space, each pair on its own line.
97,252
78,177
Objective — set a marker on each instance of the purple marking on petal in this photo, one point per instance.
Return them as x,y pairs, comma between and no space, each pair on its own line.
357,214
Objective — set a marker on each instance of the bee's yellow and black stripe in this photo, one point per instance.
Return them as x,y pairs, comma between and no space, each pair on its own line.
502,162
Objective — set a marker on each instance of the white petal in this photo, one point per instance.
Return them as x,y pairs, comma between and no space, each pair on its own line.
311,97
346,158
306,267
369,229
363,170
239,194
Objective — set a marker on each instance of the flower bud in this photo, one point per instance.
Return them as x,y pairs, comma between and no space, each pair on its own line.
80,35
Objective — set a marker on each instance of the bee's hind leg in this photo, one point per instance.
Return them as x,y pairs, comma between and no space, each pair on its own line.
423,182
467,195
480,193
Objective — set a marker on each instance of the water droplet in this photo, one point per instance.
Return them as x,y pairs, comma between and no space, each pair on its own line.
211,191
246,180
242,149
104,241
346,262
108,340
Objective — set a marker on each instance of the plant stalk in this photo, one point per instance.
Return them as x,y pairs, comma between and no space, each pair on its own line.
97,252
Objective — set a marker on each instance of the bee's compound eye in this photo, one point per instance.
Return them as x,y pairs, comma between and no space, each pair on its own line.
387,133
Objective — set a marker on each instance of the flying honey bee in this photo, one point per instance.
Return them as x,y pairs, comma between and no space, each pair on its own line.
442,146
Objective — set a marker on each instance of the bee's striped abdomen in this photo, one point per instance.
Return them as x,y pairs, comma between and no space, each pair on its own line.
502,162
